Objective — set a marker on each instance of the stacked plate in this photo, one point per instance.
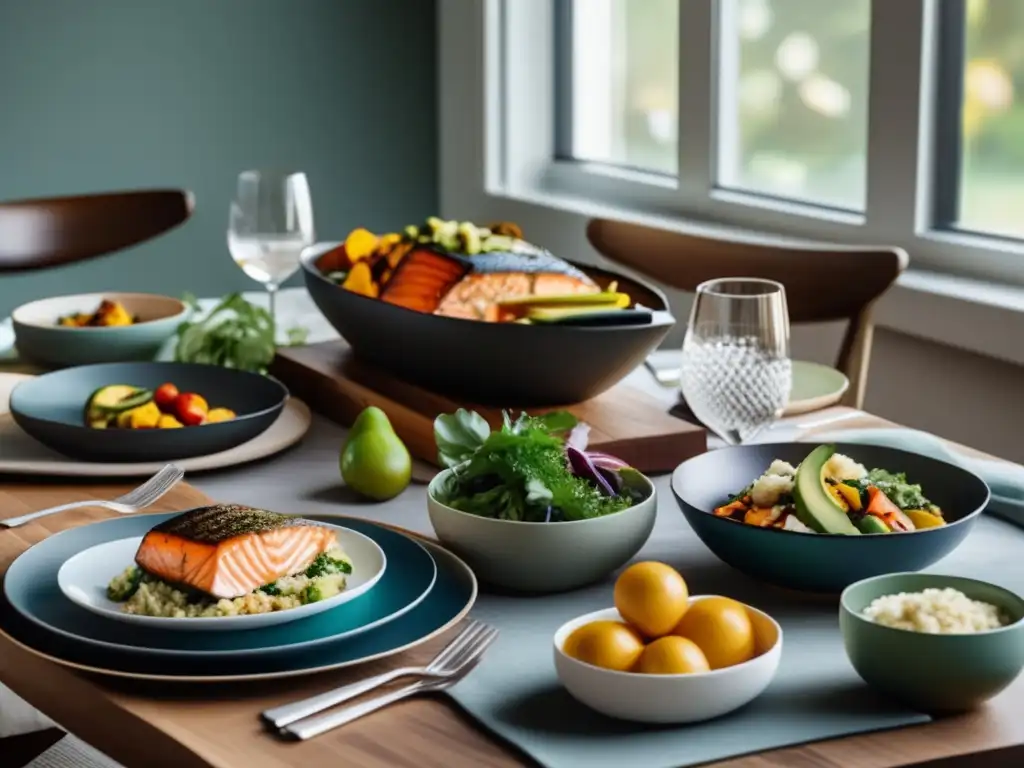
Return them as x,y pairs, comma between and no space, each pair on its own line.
402,591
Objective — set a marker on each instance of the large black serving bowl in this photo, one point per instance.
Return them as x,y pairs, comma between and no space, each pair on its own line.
825,563
505,363
51,408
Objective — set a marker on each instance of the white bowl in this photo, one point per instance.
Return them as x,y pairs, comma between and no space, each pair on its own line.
543,557
670,698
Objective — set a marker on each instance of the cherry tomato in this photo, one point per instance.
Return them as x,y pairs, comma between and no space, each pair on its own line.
165,396
190,408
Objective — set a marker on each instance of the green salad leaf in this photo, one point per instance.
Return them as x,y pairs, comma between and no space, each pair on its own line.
458,435
235,334
519,472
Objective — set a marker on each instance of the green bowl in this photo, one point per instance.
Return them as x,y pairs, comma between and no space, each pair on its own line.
543,557
938,674
39,339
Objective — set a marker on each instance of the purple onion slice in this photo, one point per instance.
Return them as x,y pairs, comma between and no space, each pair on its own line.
583,467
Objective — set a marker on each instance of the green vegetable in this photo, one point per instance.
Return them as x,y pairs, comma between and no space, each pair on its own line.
324,565
519,472
894,485
125,585
311,594
458,435
270,589
235,334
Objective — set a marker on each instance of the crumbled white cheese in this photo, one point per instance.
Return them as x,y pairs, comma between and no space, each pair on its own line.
776,512
768,489
793,524
841,467
780,467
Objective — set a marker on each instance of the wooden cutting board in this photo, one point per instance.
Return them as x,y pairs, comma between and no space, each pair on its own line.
624,421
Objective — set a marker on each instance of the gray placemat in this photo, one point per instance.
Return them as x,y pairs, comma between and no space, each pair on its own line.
816,694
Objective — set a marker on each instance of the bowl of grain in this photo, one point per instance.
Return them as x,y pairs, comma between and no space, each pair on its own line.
940,644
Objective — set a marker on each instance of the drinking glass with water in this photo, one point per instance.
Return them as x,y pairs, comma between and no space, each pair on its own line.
736,372
270,223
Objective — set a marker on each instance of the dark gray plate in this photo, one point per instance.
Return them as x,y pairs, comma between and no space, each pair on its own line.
504,363
51,407
822,562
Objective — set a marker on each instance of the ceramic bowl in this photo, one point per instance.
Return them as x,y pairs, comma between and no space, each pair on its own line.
495,363
937,674
542,557
51,408
823,563
672,699
39,339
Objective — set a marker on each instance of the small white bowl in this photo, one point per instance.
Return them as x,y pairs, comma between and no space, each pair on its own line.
670,698
543,557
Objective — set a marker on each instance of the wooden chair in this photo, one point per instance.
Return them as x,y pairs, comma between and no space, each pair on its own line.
823,282
36,234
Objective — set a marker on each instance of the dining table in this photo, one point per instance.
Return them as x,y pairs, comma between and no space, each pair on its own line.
162,725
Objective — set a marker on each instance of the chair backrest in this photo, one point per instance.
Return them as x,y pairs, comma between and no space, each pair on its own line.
36,234
823,282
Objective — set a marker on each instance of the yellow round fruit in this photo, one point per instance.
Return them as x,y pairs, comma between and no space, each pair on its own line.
652,597
721,628
607,644
672,655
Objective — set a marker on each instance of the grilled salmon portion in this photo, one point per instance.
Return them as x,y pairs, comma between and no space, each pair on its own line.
470,287
229,550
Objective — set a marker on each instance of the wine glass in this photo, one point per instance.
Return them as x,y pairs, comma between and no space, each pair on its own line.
736,371
270,224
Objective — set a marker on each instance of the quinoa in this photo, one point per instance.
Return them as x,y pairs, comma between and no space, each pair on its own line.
145,595
935,611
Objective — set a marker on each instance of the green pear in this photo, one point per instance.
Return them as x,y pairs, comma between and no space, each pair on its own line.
374,461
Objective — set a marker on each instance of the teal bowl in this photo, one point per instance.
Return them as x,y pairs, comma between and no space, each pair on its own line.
39,339
936,674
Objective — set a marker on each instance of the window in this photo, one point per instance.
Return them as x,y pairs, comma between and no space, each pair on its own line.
895,122
622,59
991,116
794,99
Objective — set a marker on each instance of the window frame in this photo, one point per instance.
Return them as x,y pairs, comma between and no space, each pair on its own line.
498,100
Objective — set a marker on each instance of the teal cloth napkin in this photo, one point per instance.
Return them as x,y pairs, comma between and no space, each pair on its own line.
1005,479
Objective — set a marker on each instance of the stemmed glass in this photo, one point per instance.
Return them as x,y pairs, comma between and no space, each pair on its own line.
736,371
270,224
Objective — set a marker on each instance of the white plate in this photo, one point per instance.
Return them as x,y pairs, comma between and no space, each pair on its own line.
84,578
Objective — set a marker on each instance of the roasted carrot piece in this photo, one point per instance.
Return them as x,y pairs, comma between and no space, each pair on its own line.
727,510
360,244
360,280
759,516
882,507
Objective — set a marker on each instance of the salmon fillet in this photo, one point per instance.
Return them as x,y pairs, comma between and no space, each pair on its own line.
229,550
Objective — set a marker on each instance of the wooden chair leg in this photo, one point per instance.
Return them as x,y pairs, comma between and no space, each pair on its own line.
855,356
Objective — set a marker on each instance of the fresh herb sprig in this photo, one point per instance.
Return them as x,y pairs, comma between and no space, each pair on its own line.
235,334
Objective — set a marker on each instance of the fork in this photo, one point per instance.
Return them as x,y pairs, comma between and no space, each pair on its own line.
441,667
467,661
133,501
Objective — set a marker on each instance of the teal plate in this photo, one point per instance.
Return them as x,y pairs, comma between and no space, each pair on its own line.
449,601
31,590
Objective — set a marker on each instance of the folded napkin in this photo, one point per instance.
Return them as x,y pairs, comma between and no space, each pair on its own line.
1005,479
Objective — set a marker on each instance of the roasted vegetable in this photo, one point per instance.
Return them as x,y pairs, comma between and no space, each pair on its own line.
360,244
422,279
360,280
108,314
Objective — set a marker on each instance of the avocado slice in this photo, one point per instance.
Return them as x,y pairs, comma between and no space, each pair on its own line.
605,299
815,506
107,402
871,524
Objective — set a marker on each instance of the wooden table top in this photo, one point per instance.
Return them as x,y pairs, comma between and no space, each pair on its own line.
163,726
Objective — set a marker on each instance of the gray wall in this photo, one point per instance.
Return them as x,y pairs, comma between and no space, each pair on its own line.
115,94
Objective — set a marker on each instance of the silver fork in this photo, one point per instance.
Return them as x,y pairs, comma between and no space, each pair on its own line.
466,661
133,501
440,667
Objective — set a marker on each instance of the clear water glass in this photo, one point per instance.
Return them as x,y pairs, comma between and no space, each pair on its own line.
736,371
270,224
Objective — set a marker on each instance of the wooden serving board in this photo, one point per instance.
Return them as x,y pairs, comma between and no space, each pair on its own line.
624,421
